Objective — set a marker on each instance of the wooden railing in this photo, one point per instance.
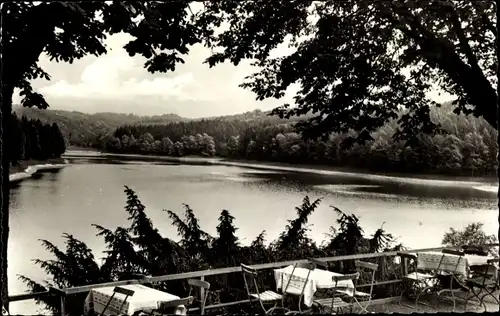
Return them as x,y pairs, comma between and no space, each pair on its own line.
62,293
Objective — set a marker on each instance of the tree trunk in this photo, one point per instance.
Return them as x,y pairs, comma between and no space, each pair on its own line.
6,110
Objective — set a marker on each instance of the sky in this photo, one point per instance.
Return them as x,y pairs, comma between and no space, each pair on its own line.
116,82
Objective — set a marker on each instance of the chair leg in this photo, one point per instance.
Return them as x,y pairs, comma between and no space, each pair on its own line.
409,285
488,293
420,292
467,298
454,300
107,304
401,296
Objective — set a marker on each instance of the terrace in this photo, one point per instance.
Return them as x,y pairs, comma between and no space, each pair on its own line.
387,286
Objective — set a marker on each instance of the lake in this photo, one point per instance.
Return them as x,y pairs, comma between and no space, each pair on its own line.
90,191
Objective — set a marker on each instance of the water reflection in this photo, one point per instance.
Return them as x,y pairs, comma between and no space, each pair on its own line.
452,191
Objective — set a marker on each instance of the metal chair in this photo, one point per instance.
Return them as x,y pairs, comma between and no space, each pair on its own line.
414,280
167,307
450,276
170,307
119,290
359,295
310,266
204,288
319,263
336,302
250,277
487,281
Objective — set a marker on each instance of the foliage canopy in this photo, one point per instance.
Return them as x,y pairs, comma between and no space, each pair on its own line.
359,62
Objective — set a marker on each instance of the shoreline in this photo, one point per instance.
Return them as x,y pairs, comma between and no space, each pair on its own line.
319,169
34,166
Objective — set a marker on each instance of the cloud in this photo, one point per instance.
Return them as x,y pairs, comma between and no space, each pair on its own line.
112,77
119,83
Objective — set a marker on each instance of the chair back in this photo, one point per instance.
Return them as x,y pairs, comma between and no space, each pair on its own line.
346,277
203,287
371,267
250,278
120,290
319,263
310,266
451,263
488,272
168,307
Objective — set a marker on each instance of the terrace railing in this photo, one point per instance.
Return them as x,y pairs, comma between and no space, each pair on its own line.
381,256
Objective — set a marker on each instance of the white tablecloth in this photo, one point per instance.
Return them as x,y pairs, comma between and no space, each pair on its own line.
143,298
318,279
430,261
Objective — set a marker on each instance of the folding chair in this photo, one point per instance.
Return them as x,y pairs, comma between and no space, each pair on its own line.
119,290
450,276
204,288
250,277
324,265
167,307
310,266
414,280
319,263
170,307
357,295
487,282
335,302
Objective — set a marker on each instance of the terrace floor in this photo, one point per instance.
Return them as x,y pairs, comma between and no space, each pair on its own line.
441,305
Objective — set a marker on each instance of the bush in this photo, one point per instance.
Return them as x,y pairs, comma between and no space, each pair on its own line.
471,235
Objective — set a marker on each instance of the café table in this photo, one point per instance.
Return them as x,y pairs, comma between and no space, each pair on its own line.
143,298
318,279
430,261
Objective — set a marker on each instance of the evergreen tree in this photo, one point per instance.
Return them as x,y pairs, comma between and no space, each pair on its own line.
59,142
293,243
226,244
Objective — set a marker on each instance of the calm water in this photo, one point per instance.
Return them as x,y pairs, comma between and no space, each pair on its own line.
90,191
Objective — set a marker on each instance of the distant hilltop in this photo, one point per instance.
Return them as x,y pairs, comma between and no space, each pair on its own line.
127,118
84,129
121,118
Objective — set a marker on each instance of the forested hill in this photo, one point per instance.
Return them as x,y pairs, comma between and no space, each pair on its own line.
467,145
84,129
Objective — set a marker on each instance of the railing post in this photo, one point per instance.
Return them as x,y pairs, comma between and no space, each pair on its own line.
404,266
63,305
62,295
202,290
382,268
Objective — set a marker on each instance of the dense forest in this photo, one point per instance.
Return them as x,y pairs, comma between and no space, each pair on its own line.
465,145
141,249
32,139
84,129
